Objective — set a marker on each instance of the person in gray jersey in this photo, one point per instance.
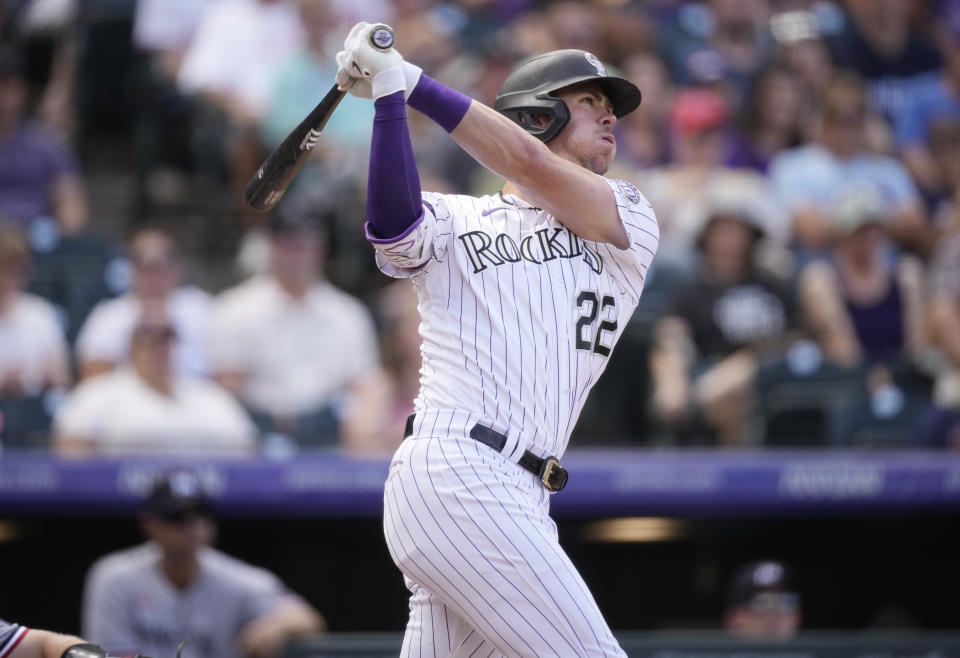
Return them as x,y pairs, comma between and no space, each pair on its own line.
522,295
176,587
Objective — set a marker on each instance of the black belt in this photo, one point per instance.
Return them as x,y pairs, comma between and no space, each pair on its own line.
548,469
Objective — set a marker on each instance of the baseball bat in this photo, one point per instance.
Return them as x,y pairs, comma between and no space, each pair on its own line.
279,169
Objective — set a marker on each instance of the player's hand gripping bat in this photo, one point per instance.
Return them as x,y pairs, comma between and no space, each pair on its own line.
281,166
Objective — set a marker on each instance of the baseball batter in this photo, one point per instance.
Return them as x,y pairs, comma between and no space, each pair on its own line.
522,296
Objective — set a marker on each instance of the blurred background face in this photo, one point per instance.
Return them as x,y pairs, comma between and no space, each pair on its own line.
727,243
316,20
699,120
810,58
844,120
296,257
150,350
156,264
768,615
180,537
702,148
780,101
576,25
864,243
649,73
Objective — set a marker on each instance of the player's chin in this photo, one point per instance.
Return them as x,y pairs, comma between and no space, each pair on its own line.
600,162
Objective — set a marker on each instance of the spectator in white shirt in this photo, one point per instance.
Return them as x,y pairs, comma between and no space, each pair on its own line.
157,287
147,409
230,67
289,344
33,351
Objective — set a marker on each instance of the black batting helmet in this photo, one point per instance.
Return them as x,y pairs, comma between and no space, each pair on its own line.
529,89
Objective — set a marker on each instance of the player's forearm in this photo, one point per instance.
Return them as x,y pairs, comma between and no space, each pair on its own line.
46,644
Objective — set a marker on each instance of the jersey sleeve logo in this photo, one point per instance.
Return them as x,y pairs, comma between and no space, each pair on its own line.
631,193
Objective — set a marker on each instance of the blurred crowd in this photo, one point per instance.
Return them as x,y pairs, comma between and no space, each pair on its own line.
802,157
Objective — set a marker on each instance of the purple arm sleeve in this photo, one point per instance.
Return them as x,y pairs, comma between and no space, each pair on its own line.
393,188
444,105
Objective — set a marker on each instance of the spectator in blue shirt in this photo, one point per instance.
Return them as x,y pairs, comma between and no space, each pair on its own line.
933,98
808,179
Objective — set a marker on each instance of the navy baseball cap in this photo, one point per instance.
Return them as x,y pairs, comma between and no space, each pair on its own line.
756,577
176,496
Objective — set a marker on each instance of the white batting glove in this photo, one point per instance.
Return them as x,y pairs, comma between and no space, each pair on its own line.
361,87
357,86
383,68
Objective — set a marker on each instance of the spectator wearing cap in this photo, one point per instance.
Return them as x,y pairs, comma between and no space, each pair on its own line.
157,287
731,317
177,587
289,344
39,174
761,603
808,179
34,357
146,408
699,129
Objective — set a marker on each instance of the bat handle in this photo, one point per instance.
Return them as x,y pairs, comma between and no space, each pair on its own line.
381,36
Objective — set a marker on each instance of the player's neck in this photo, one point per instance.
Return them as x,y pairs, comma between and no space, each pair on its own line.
510,189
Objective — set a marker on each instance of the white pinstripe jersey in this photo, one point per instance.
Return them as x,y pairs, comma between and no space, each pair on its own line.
518,314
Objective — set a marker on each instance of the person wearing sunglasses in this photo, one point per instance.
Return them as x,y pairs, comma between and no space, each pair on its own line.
762,603
177,588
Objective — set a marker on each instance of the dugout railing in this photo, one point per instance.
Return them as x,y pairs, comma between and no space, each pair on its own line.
682,645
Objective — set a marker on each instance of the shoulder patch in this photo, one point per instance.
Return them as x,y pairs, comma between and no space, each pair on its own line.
629,191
